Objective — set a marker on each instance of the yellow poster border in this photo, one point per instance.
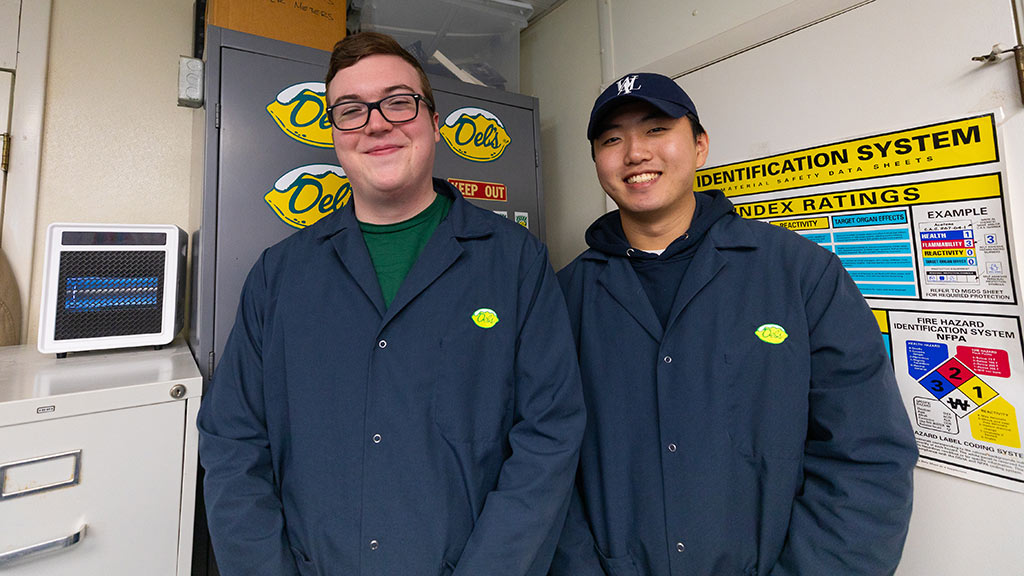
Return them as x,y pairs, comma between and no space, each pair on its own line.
756,180
961,188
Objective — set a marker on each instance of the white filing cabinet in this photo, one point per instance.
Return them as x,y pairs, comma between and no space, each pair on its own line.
98,455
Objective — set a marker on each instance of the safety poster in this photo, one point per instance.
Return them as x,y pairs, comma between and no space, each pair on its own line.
919,217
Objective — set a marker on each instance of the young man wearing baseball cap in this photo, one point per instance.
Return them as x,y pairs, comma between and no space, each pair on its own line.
743,416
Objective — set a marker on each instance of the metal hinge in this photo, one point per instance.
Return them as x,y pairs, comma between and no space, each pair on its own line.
1018,56
209,368
216,116
5,157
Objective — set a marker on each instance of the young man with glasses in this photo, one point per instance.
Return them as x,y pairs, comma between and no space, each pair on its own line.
400,393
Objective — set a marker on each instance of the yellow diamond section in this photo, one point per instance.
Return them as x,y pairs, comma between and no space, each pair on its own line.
485,318
996,422
978,391
771,333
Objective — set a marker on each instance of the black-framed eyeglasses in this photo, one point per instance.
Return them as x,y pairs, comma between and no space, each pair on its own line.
396,109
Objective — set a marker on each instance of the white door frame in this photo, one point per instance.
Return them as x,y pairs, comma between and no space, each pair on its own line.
6,84
18,230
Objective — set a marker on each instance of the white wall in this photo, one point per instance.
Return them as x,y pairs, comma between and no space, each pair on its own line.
647,31
670,37
115,146
561,65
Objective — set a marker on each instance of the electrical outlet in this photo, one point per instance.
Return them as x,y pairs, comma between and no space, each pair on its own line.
190,82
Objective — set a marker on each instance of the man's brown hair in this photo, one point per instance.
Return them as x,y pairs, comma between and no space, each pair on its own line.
354,48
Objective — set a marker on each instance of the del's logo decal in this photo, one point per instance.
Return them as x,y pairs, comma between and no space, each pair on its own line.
308,193
299,110
475,134
771,333
485,317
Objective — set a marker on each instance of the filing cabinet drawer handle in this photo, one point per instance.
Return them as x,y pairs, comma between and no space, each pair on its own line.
6,471
51,546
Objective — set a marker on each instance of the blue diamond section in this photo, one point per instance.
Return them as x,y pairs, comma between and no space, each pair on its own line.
937,385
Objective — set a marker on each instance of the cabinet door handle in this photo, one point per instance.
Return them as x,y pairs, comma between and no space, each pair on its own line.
7,468
53,545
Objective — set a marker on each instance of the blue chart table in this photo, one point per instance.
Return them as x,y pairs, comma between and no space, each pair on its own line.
875,248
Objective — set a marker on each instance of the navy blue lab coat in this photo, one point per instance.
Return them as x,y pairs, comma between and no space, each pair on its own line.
711,452
340,437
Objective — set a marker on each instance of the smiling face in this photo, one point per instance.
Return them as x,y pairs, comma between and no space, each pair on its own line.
389,165
646,161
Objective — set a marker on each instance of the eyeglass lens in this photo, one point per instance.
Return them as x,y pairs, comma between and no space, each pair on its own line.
395,109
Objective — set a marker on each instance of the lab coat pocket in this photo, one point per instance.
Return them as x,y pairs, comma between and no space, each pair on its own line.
447,568
618,565
473,393
767,398
303,563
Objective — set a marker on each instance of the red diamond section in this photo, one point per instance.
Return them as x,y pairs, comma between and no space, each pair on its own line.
954,371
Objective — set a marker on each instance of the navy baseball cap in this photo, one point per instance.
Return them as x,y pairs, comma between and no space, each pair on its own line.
659,91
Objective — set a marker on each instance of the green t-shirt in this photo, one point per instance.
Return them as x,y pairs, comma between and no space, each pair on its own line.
394,248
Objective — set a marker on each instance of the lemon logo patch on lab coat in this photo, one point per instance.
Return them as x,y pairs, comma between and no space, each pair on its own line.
485,317
771,333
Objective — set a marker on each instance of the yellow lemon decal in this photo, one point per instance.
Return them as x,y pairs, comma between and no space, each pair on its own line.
300,111
475,134
771,333
485,318
308,193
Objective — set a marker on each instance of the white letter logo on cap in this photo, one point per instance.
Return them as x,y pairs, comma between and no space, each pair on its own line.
626,85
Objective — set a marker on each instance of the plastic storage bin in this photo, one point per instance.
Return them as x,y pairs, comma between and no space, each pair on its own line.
475,37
